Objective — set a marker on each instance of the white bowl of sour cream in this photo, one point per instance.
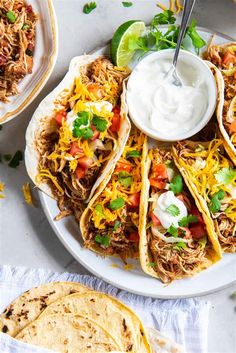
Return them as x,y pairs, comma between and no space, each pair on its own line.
166,112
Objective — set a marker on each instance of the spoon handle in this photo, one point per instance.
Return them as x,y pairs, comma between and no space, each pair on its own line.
188,7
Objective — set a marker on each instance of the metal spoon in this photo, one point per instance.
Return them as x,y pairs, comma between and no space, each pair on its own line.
172,74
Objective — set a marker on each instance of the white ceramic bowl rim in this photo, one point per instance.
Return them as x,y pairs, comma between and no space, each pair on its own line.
212,98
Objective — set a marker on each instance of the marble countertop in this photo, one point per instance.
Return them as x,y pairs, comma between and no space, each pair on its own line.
26,237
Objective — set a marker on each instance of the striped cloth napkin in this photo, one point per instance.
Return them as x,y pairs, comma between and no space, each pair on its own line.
184,320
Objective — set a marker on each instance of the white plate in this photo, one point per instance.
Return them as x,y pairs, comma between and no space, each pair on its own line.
134,280
45,55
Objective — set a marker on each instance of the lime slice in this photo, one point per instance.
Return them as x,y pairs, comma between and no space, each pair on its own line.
120,53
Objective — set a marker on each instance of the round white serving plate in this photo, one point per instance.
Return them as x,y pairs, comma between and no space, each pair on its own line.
133,279
45,55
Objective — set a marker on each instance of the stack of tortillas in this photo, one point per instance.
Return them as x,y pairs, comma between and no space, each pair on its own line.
68,317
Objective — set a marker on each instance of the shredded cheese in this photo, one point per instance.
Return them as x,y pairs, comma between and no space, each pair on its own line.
174,5
27,194
2,186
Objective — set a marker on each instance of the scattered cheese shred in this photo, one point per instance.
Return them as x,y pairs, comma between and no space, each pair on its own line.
2,186
174,6
129,267
27,194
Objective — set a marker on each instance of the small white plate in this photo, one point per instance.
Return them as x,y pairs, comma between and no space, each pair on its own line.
45,55
134,279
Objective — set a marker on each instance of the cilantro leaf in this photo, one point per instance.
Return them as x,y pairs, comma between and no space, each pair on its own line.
127,3
11,16
89,7
99,211
133,154
225,175
214,205
184,222
151,264
82,120
202,242
125,179
25,26
99,123
81,126
172,230
180,245
86,133
173,210
116,225
176,184
163,18
103,240
15,161
196,39
116,204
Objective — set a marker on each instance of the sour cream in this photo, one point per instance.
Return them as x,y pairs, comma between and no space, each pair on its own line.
163,109
165,217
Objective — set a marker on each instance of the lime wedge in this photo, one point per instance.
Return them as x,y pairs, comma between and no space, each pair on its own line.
120,53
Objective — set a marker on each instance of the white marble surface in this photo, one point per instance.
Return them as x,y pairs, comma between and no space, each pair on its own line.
25,235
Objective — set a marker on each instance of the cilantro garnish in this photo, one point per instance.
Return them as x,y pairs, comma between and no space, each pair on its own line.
127,3
163,18
172,230
25,26
99,211
151,264
11,16
176,184
180,245
81,126
99,123
184,222
116,204
89,7
103,240
116,225
133,154
214,205
225,175
7,157
125,179
202,242
197,41
15,161
173,210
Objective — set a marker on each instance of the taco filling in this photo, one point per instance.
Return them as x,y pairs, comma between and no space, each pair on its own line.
176,232
224,57
83,135
212,173
112,227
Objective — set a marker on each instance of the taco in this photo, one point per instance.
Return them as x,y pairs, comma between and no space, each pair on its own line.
109,225
115,317
175,237
27,307
78,133
224,58
211,176
68,333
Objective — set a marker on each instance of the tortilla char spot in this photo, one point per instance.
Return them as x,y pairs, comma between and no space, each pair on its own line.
4,329
130,347
124,325
66,341
92,300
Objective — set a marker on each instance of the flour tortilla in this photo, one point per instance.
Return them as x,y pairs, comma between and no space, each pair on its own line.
115,317
229,147
26,308
161,343
68,333
86,215
145,254
44,115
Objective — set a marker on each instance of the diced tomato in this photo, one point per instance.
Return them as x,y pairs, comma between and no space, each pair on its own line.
229,58
134,199
133,237
155,220
157,183
80,172
232,126
85,162
29,9
115,124
60,116
74,149
123,165
96,133
197,230
160,170
195,212
184,231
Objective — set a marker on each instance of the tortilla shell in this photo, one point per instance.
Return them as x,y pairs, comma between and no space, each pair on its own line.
200,202
85,218
26,308
44,115
145,253
67,333
115,317
229,147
